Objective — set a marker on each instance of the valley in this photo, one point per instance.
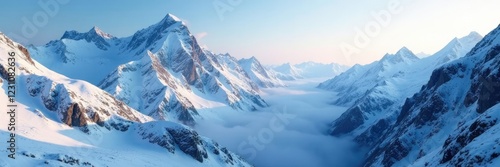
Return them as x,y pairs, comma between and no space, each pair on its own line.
296,121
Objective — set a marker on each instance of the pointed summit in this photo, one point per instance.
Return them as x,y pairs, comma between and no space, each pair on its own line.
169,20
403,50
473,37
403,55
249,62
172,17
92,33
96,30
153,34
253,58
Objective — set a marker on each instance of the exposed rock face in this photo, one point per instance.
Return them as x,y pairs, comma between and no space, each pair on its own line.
3,72
74,116
255,71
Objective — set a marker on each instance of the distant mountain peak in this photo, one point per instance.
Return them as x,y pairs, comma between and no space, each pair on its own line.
474,34
404,50
472,37
101,33
402,55
172,17
95,35
252,59
92,33
422,55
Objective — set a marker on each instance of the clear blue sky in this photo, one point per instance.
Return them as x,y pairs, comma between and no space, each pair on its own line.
275,31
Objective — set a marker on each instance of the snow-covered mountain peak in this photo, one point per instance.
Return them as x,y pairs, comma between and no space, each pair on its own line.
95,35
285,67
451,120
172,17
101,33
472,36
249,60
465,41
456,48
92,33
405,51
168,20
254,69
253,58
402,55
169,29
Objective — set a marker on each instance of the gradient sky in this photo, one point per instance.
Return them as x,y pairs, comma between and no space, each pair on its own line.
274,31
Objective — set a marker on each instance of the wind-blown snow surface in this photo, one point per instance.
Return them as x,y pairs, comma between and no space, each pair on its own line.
64,122
291,132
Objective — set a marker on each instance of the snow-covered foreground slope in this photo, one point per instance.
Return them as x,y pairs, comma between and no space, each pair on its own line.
453,120
64,122
160,71
307,70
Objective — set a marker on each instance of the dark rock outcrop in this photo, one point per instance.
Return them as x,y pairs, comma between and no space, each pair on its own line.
75,116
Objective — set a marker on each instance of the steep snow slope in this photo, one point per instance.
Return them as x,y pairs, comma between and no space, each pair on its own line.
259,74
186,78
66,122
453,119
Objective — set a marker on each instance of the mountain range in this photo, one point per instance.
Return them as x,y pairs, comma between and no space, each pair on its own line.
96,123
440,110
93,99
307,70
160,71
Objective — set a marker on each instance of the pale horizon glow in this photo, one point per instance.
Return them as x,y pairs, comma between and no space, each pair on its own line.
278,31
